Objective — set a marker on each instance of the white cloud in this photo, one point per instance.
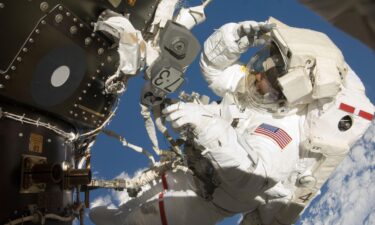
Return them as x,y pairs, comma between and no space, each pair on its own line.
95,174
370,219
103,201
350,195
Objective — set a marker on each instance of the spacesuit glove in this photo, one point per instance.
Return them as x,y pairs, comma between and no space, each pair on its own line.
249,33
194,115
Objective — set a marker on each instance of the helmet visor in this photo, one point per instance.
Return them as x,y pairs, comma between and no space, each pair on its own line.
261,83
269,62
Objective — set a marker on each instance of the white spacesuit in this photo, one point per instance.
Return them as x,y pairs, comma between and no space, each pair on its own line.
286,120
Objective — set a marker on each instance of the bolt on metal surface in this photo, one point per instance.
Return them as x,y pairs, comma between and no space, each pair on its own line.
59,18
44,6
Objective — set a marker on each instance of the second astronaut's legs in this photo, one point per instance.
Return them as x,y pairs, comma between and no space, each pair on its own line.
168,201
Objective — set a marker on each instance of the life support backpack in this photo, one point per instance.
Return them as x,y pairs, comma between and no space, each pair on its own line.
331,128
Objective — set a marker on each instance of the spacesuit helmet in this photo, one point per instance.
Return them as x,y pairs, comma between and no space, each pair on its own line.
295,67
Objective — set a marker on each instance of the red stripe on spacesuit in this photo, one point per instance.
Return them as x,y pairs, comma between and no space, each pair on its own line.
164,181
365,115
163,215
351,109
347,108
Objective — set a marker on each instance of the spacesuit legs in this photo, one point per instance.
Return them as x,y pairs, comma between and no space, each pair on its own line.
170,200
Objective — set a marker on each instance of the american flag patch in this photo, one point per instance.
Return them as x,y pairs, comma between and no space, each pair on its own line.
275,133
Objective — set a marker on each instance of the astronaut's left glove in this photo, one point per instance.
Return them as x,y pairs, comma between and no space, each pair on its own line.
209,128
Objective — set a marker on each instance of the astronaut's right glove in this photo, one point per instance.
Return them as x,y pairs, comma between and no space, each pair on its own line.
225,46
249,33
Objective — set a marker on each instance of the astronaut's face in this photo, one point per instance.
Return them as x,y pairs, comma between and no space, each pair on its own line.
261,83
263,90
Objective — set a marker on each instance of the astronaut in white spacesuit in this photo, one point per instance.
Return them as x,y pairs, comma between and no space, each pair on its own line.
286,120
